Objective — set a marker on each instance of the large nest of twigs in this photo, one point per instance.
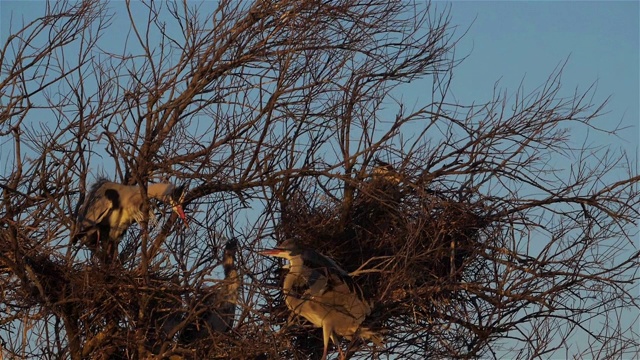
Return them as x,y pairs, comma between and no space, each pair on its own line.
403,242
116,311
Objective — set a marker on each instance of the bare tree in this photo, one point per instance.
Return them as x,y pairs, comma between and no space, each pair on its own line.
473,240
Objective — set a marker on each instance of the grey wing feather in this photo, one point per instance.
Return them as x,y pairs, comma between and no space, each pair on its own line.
324,266
95,212
96,207
316,260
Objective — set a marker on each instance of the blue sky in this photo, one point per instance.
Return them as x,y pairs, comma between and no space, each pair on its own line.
522,41
512,41
516,42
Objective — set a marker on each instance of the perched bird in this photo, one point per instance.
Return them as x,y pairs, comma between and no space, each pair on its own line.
383,171
217,309
110,208
317,289
214,312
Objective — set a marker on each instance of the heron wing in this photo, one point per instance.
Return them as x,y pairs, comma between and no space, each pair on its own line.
342,298
95,214
327,275
315,260
339,306
97,207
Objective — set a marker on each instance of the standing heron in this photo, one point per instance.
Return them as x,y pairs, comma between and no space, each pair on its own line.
194,326
317,289
217,310
110,208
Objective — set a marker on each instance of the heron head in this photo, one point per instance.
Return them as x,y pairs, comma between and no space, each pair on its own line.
285,250
385,171
231,245
176,197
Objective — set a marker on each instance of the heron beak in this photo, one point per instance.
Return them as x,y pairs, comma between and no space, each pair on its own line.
178,210
269,252
176,197
273,252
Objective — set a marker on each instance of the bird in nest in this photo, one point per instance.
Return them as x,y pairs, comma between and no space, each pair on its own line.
319,290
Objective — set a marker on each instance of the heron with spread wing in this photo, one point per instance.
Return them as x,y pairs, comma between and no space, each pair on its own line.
110,208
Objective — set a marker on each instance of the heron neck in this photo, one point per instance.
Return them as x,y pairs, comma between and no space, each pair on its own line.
296,273
158,191
296,262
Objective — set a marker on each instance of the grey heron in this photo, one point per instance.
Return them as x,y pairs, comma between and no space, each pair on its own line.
218,307
110,208
317,289
385,172
192,326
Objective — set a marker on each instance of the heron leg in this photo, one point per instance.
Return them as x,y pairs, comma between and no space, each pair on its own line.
100,249
326,334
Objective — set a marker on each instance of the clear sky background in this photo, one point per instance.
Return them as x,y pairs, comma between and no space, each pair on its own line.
512,41
518,42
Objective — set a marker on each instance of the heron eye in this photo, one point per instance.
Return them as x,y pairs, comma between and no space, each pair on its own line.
178,193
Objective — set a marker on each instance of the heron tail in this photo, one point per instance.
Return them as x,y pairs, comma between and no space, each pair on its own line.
368,334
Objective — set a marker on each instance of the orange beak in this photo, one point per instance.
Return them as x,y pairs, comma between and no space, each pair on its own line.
273,252
178,209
